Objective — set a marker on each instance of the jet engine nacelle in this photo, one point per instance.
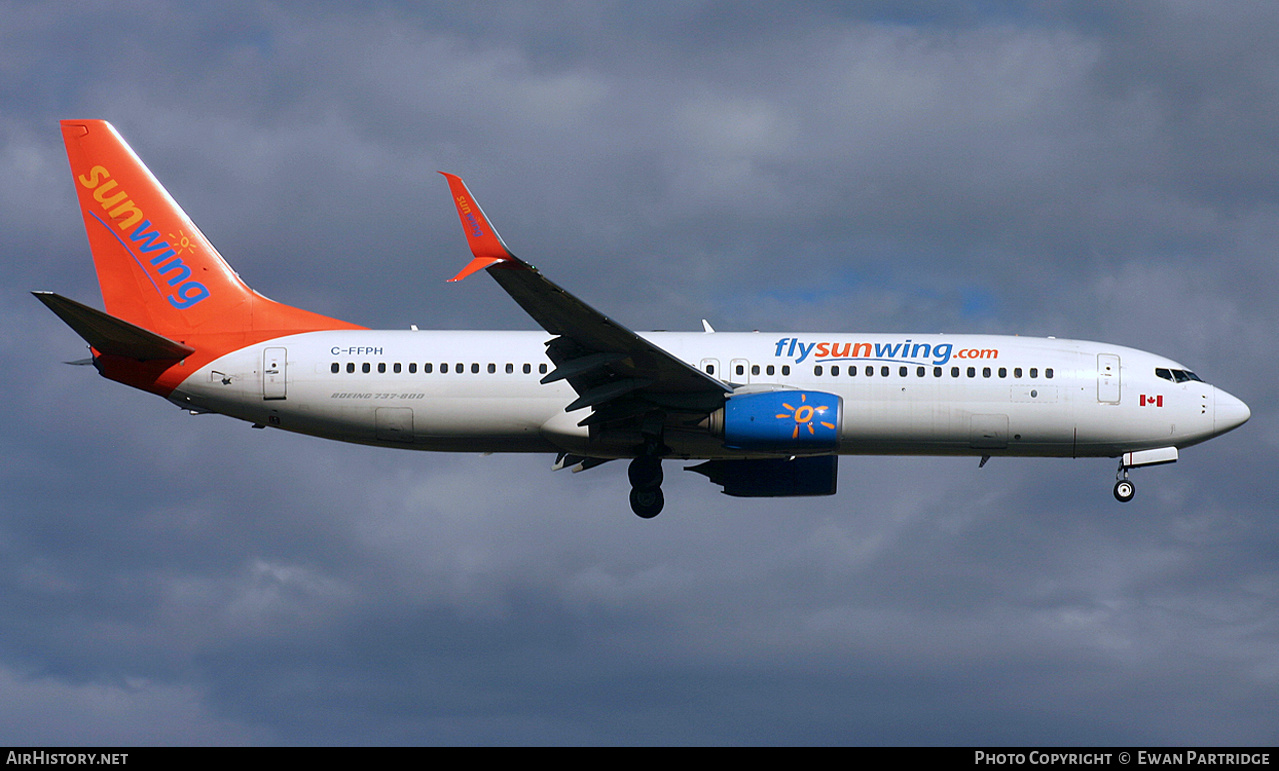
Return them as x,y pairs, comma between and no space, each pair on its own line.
782,421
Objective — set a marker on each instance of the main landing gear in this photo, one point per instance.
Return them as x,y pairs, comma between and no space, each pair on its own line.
1124,488
645,473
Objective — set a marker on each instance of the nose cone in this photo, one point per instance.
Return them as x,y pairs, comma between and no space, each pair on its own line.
1228,412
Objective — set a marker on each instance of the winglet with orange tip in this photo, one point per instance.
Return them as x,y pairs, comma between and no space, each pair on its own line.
486,245
595,341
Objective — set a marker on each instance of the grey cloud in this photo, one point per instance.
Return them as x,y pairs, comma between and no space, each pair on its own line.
1068,171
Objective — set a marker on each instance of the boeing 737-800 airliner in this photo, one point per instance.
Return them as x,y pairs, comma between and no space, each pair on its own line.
767,414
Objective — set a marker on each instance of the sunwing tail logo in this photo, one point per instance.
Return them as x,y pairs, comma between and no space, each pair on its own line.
904,351
157,258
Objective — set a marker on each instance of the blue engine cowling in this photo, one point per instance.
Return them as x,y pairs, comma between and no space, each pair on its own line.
780,421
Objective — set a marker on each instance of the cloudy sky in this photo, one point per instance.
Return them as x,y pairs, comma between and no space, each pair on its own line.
1099,171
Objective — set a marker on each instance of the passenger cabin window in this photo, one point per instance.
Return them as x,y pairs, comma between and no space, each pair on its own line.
335,368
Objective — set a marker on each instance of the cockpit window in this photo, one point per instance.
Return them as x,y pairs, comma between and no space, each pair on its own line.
1176,375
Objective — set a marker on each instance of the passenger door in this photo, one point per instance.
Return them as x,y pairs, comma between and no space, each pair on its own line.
1108,378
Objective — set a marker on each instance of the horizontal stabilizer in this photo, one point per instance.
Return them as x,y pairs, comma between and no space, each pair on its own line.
110,335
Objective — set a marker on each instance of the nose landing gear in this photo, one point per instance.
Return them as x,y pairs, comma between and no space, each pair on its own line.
1124,488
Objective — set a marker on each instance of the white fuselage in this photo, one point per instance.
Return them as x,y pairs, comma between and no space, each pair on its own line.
479,391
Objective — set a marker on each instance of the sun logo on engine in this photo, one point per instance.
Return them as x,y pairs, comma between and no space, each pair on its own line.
803,416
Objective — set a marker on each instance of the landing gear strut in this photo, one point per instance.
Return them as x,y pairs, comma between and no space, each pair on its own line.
645,474
1124,488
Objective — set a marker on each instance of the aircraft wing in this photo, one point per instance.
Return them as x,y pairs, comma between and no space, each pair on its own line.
613,370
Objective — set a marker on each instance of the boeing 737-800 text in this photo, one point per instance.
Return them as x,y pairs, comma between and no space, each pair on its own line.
767,414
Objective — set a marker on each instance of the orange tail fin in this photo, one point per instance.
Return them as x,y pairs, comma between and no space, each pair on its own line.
156,269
